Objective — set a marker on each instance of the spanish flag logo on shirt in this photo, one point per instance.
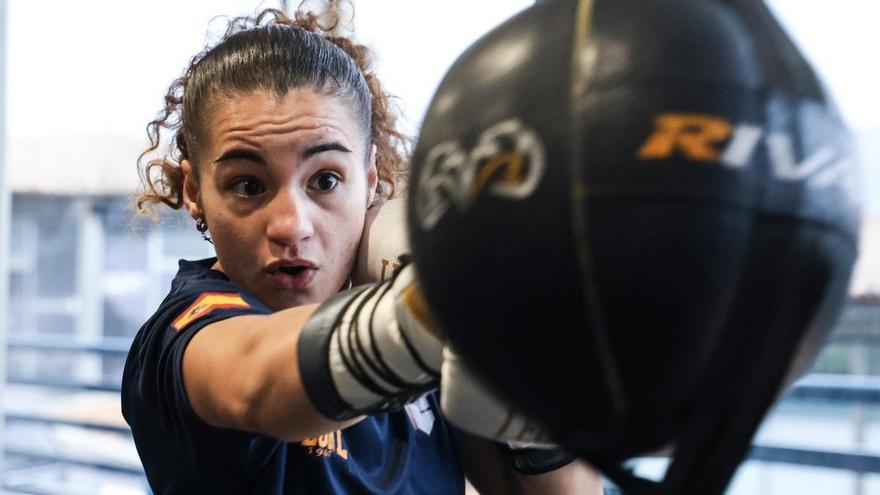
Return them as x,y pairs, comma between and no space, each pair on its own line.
207,303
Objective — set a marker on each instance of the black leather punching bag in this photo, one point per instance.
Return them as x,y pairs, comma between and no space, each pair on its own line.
635,220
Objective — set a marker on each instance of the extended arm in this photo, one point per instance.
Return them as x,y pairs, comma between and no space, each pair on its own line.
313,369
242,373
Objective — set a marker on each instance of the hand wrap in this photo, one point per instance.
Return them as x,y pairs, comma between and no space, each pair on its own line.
370,349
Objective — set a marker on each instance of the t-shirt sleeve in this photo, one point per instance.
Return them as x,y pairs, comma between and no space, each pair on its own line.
184,313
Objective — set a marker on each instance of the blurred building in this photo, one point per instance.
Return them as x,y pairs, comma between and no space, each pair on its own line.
85,272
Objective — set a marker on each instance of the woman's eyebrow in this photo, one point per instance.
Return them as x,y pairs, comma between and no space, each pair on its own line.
241,154
320,148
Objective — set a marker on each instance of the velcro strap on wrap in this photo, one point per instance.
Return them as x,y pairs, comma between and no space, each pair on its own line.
535,461
370,349
313,355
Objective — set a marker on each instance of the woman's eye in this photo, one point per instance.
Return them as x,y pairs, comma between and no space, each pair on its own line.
247,186
324,181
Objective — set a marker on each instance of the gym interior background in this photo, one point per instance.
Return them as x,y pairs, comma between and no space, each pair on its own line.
79,276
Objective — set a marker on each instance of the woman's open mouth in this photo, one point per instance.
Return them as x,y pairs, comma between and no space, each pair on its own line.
293,276
293,270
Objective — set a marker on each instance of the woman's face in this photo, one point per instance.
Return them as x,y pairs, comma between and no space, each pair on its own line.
283,186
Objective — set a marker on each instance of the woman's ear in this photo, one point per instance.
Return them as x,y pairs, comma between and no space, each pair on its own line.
190,190
372,176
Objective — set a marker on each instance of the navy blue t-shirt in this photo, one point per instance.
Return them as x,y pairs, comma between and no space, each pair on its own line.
408,451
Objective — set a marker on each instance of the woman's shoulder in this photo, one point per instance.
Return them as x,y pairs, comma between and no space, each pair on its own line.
198,295
191,272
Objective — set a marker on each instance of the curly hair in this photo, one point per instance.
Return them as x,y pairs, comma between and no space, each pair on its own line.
270,51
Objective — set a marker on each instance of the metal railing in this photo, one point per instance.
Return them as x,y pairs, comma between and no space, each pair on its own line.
107,346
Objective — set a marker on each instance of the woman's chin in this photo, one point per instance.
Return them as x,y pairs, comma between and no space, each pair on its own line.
284,299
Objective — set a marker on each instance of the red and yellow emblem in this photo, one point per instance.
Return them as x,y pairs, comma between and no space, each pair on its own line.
205,304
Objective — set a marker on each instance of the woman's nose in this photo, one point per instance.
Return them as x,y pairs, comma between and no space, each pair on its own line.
290,219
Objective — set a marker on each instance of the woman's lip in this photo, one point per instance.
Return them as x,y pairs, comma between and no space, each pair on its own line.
288,281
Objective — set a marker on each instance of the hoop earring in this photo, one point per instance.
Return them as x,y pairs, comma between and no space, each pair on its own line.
202,227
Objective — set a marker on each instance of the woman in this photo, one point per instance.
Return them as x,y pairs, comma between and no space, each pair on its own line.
240,382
